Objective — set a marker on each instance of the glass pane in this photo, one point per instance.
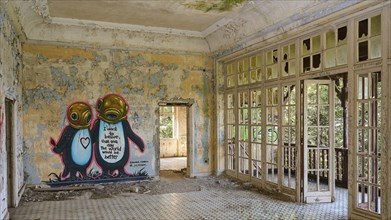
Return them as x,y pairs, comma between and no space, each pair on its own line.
342,55
286,136
230,117
245,64
253,62
312,137
231,131
316,44
324,137
324,184
256,134
253,76
324,115
269,115
375,47
330,58
230,81
240,79
259,74
312,91
275,96
363,114
259,60
293,135
269,96
292,54
240,66
376,25
323,94
312,115
230,101
330,39
363,87
292,68
229,66
245,77
269,58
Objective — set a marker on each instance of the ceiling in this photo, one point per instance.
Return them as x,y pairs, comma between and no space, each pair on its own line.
200,26
172,14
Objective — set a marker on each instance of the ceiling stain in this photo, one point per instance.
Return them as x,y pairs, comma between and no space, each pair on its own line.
217,5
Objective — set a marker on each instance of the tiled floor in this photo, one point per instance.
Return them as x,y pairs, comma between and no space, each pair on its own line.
204,204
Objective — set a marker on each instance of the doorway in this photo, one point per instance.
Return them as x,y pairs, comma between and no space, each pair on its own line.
173,137
324,138
9,142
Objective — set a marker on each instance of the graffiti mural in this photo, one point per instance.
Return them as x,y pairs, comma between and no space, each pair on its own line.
100,148
74,145
111,134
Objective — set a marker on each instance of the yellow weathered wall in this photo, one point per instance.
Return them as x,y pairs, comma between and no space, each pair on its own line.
54,77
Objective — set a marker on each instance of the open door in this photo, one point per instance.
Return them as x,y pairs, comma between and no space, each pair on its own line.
318,141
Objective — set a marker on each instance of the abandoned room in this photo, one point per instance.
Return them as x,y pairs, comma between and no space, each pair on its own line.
265,109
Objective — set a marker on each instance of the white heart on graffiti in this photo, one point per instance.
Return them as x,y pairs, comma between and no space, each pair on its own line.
85,142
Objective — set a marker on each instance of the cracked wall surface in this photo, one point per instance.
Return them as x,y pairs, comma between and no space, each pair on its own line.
54,77
10,72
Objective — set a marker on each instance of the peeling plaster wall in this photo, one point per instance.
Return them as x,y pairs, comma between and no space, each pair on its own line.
54,77
10,69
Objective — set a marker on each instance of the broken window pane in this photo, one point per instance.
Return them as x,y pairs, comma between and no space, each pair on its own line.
376,25
306,64
363,29
342,32
285,69
316,61
316,44
363,51
375,47
330,39
306,47
285,52
275,56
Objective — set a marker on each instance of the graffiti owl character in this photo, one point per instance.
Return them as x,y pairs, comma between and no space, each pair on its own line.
111,133
74,145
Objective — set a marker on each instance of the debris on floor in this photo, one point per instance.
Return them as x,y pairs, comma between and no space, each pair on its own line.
169,182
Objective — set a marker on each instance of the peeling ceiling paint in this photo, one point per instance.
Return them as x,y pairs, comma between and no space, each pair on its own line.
197,26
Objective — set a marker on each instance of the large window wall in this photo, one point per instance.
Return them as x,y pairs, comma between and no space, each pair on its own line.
264,91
